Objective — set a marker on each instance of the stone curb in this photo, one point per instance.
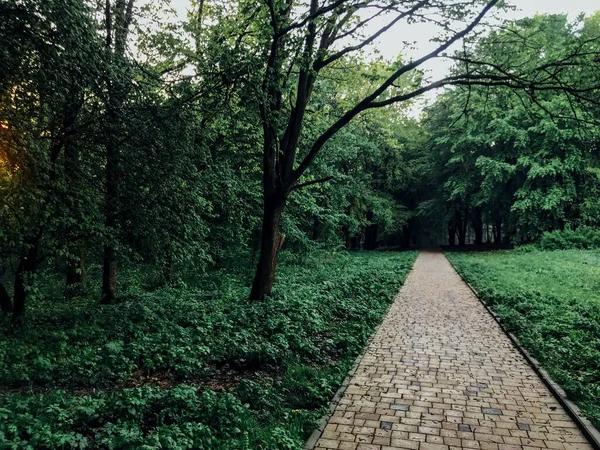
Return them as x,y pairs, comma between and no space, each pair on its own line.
311,443
586,427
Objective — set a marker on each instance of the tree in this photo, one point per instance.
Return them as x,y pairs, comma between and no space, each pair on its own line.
293,47
43,93
517,157
118,17
306,43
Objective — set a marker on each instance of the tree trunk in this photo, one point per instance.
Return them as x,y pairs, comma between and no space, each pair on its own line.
111,207
346,235
20,291
477,223
118,21
315,228
109,276
370,233
168,270
25,270
451,235
346,230
75,276
407,233
371,237
461,228
498,233
462,235
271,242
5,302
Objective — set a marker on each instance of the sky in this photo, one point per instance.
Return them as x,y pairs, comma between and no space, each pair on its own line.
390,45
422,33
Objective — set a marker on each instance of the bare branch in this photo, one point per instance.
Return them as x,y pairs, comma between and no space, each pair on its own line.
366,102
320,64
310,183
319,12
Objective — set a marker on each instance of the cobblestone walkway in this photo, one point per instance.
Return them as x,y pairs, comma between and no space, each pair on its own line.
441,375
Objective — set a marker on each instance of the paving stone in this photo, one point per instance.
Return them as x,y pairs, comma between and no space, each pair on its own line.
423,383
399,407
492,411
386,425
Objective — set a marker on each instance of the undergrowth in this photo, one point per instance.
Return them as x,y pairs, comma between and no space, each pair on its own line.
193,368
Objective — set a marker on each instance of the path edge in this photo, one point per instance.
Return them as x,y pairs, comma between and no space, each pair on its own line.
583,423
311,443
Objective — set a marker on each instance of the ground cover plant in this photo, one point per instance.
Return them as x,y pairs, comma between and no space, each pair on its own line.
180,368
551,301
168,167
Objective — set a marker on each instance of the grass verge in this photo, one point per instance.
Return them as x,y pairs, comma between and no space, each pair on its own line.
551,301
183,369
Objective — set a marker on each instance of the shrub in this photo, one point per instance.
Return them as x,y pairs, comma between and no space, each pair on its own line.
581,238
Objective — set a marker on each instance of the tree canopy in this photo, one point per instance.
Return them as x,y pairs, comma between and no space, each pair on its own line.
128,137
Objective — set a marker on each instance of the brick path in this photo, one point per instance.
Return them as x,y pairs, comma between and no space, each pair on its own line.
441,375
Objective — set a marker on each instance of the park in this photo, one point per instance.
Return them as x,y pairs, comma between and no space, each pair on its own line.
299,224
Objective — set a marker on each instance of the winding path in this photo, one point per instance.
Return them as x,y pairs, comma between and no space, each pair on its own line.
441,375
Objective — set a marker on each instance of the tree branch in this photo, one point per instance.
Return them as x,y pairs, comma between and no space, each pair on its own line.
310,183
364,104
320,64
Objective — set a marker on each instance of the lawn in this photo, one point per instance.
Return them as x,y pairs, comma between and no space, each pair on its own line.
194,366
551,301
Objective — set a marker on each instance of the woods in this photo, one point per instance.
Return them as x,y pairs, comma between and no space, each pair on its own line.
237,133
191,196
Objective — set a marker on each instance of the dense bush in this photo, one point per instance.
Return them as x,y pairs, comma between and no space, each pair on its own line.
139,374
581,238
551,301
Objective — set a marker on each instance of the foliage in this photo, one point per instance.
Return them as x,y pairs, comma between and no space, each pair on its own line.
550,300
520,161
151,161
279,360
581,238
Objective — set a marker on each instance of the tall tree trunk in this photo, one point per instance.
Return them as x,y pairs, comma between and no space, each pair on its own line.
346,229
315,228
346,235
20,291
109,276
271,242
75,273
168,269
370,233
462,229
498,233
5,302
407,233
109,273
118,21
23,275
75,285
451,235
462,236
111,196
477,222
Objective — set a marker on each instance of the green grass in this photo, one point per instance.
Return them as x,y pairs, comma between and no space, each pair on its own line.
551,301
200,367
